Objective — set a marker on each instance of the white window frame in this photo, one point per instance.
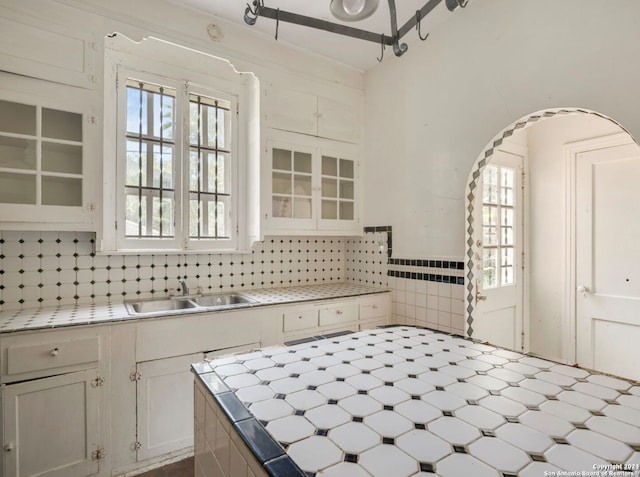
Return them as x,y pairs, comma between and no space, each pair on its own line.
209,76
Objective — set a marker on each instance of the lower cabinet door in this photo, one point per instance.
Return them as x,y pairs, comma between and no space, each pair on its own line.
51,426
165,405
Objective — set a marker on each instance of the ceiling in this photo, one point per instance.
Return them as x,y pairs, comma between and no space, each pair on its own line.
356,53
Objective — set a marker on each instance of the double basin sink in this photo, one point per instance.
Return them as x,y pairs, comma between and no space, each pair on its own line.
190,304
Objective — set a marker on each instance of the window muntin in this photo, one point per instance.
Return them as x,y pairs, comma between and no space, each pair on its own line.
150,152
209,167
178,169
498,232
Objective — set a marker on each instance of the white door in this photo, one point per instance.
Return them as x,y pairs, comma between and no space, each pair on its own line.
608,260
498,316
51,426
165,405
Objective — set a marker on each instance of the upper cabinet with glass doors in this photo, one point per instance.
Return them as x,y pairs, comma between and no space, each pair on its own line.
311,186
42,168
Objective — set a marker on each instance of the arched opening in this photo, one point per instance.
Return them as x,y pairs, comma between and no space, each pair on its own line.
541,246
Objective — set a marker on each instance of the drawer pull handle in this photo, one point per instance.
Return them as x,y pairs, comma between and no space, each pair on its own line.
338,312
55,351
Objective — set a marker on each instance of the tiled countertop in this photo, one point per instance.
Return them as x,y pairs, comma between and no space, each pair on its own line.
404,401
45,318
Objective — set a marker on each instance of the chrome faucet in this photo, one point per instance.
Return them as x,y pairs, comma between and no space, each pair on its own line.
185,289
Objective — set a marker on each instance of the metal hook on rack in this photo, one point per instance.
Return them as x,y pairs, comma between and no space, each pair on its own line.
277,22
252,14
381,49
418,26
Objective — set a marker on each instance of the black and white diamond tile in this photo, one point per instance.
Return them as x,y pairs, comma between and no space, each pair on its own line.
514,415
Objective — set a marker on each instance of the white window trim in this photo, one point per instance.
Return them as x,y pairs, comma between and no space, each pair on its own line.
209,76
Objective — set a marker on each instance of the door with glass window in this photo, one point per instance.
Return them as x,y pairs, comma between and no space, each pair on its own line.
498,315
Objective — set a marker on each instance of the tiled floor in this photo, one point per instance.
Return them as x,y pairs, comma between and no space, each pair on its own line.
183,468
407,401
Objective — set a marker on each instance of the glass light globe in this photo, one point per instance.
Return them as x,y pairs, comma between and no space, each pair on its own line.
353,7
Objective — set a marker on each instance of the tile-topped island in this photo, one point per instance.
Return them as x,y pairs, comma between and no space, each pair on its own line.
402,401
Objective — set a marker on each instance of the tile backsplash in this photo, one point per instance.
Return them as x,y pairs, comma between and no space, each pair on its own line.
60,268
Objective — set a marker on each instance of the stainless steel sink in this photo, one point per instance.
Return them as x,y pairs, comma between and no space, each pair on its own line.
146,307
189,304
222,300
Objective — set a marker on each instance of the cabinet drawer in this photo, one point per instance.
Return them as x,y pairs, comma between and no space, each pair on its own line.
334,315
55,354
299,320
374,308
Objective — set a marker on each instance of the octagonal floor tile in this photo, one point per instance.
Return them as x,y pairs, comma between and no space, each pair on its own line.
480,417
476,365
360,405
521,368
336,390
238,381
271,409
571,371
523,396
453,430
458,372
327,416
436,378
423,446
388,423
499,455
305,400
536,362
565,411
624,414
271,374
609,382
386,460
344,469
542,387
546,423
582,400
260,363
418,411
388,374
255,393
354,437
506,375
364,382
317,378
524,437
615,429
488,382
414,386
503,406
596,390
287,385
367,364
457,465
609,449
290,428
343,370
467,391
314,453
629,401
444,400
389,395
571,458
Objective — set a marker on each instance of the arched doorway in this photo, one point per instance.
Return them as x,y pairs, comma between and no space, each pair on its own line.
477,256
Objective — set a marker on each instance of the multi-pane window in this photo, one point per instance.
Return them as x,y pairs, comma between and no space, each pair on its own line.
178,165
150,190
209,167
498,228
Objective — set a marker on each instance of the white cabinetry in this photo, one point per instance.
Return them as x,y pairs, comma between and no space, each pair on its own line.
310,186
47,133
307,113
53,404
165,350
328,316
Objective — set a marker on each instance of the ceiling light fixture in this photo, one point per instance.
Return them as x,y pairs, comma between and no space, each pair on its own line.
353,10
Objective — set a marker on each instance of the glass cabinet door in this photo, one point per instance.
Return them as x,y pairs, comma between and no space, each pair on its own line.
338,188
292,179
41,155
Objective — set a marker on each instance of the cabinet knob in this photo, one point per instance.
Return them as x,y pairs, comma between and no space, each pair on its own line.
375,307
338,312
8,447
55,351
300,317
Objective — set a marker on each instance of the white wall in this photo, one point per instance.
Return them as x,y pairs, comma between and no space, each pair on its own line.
430,113
547,227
